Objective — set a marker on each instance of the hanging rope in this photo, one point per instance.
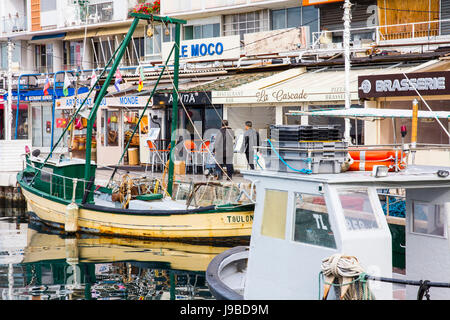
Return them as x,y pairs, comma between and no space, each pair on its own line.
350,276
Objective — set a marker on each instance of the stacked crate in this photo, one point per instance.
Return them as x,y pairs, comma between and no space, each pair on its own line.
319,149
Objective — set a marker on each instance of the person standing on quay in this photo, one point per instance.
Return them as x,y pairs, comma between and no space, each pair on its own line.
224,150
251,140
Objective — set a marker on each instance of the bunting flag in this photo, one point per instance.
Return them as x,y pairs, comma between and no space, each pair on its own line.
93,78
46,86
141,79
118,80
66,85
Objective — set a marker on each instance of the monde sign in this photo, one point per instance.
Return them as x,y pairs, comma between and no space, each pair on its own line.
208,49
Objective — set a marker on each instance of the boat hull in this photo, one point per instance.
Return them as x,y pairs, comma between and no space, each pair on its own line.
214,224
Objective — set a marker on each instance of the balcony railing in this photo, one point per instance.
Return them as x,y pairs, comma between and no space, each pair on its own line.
430,30
13,23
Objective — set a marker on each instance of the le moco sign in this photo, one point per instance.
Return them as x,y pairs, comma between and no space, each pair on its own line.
395,85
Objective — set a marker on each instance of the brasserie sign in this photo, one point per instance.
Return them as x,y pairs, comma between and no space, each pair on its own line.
394,85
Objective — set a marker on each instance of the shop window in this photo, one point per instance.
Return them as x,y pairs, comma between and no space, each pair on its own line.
274,214
42,126
358,210
110,128
312,224
22,122
429,219
130,121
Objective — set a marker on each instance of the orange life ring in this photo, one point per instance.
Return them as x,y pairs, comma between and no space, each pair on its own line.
373,155
368,165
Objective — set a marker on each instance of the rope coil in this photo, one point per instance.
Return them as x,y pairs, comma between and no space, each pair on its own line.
350,276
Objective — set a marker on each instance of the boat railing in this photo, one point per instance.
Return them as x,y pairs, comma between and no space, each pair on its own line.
61,184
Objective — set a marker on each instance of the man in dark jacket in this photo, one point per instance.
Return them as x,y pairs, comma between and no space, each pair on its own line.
251,140
224,150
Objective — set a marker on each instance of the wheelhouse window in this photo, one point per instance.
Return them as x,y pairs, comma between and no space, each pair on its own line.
429,219
358,209
274,214
312,225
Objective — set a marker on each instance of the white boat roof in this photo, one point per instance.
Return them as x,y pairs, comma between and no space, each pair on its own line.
62,163
372,113
412,177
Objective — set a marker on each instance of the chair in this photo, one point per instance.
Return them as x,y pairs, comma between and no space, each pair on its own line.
190,148
204,153
156,155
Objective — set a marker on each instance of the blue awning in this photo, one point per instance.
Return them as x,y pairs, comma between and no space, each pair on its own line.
49,36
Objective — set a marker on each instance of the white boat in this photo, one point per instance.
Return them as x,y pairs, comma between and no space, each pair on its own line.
302,220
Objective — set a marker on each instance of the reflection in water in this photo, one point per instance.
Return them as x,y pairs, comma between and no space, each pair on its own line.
38,265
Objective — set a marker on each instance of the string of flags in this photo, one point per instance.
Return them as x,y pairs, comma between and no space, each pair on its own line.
118,80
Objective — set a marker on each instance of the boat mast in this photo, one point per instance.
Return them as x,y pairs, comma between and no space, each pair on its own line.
347,19
174,109
101,95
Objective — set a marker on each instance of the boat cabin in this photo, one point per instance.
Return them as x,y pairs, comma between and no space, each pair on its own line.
301,219
56,177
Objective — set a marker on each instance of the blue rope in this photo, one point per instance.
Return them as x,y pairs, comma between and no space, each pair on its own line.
305,171
256,160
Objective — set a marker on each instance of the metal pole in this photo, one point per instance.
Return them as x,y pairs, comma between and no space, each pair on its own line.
174,108
8,111
346,39
415,113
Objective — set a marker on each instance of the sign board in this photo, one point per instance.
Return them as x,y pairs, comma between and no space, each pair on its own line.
315,2
275,41
125,101
188,98
276,96
396,85
208,49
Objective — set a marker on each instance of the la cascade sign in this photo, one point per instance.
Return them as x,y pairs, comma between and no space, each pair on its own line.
280,96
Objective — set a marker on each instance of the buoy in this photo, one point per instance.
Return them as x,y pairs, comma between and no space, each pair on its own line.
71,219
372,155
365,160
368,165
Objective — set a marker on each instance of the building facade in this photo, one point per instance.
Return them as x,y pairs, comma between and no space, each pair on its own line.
289,45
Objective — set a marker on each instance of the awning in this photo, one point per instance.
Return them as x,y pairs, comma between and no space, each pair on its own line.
372,113
48,36
324,86
80,35
104,32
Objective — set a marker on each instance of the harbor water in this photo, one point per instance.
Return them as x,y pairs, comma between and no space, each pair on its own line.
38,264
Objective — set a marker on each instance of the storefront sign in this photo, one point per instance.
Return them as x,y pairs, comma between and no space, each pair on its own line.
394,85
274,96
125,101
187,98
206,49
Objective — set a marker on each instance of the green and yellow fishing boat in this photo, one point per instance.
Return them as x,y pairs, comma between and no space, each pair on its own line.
62,193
